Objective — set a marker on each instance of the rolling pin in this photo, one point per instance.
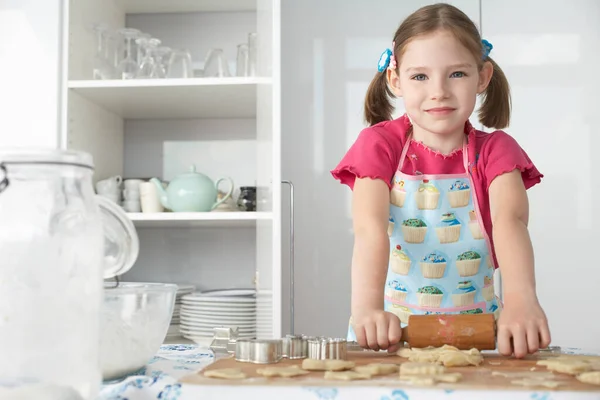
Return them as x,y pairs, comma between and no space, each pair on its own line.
463,331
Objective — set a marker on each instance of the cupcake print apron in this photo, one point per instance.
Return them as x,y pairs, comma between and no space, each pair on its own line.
439,253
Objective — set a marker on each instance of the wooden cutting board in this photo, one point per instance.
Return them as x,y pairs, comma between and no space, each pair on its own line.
473,377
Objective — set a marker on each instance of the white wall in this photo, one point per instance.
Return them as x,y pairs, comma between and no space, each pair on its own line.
30,55
551,61
548,51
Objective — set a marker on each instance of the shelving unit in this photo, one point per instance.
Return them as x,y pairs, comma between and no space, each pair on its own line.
199,220
154,99
179,6
180,122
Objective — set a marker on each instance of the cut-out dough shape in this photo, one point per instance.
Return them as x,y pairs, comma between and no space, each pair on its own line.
310,364
284,372
420,368
430,380
537,382
225,373
448,356
525,375
566,366
345,375
377,369
592,377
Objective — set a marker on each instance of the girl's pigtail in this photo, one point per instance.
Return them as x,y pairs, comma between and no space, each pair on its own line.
496,107
378,106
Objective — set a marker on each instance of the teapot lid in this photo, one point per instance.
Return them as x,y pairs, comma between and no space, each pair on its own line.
121,242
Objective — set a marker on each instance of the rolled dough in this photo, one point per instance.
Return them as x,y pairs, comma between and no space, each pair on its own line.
448,356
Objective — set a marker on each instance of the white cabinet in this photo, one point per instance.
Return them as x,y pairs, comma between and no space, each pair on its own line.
30,64
142,128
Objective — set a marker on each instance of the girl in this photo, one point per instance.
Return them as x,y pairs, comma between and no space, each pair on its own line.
437,204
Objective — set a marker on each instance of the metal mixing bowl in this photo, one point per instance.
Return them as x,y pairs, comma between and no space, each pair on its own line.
135,320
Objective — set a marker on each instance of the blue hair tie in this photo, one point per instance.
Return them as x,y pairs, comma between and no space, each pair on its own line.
384,60
487,48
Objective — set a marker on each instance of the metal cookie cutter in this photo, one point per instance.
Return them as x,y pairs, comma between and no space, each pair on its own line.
295,347
224,340
327,349
258,351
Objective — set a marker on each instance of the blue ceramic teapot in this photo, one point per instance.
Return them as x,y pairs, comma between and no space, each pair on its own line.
191,192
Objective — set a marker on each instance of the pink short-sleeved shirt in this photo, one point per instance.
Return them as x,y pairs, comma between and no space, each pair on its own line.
376,155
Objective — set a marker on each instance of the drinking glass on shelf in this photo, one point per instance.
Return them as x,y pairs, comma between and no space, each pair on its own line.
252,54
241,64
148,62
103,68
128,66
180,64
216,64
161,60
141,41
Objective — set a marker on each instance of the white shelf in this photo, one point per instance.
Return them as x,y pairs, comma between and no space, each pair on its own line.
174,98
172,6
200,219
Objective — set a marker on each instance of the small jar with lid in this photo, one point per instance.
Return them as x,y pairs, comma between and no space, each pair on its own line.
247,199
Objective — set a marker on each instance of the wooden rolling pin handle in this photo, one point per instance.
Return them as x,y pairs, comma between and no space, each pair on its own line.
463,331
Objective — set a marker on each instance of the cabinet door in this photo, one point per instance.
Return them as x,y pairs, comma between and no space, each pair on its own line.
548,51
30,72
268,232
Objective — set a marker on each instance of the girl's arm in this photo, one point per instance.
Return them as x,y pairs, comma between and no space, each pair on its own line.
370,212
522,319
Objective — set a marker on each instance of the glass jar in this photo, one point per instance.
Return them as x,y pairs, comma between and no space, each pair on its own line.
247,198
58,240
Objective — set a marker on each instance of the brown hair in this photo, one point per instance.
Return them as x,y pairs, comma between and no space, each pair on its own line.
496,105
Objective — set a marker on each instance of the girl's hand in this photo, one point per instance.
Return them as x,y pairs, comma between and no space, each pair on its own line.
377,330
522,328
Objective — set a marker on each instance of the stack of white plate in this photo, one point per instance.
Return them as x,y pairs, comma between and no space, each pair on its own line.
182,290
264,315
201,312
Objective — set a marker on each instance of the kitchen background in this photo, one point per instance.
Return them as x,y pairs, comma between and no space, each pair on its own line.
329,51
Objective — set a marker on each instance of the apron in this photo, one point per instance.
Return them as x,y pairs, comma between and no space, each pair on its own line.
440,261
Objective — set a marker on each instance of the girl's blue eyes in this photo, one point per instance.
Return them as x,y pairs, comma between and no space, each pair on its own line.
422,77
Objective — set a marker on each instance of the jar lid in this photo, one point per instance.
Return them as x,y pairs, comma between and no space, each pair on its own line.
42,155
121,242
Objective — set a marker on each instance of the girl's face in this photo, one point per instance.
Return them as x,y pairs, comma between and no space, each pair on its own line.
439,80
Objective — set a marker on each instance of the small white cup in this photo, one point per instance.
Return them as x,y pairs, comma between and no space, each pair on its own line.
132,184
149,198
109,185
132,206
131,194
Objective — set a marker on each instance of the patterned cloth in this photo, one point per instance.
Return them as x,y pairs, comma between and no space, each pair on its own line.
158,381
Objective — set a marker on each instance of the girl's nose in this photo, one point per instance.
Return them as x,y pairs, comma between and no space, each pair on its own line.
439,89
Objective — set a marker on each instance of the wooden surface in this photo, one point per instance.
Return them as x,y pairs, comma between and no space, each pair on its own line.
473,377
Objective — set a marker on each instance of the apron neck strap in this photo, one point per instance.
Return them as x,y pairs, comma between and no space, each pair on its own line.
464,150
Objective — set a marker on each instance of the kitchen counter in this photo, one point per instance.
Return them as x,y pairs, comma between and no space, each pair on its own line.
159,380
